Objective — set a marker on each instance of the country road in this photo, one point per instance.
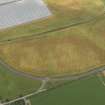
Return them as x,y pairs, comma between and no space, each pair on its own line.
30,37
91,71
17,72
44,80
24,97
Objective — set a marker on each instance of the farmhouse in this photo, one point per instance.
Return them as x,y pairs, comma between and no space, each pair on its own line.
15,12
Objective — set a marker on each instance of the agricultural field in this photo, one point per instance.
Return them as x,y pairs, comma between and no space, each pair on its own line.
69,42
88,91
63,14
13,86
72,50
17,12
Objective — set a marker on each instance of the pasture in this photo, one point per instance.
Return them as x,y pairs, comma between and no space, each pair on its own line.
16,12
56,46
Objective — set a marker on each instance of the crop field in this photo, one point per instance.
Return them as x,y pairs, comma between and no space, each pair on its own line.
70,41
72,50
63,14
13,86
16,12
89,91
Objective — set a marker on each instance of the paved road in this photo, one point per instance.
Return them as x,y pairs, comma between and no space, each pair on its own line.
17,72
17,12
92,71
29,95
74,77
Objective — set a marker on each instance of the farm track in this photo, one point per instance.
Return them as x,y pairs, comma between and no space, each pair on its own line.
14,71
92,71
37,35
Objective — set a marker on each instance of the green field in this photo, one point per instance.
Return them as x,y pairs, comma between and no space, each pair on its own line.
72,50
12,86
64,14
88,91
58,49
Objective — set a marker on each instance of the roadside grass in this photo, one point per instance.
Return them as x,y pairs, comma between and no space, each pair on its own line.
64,13
88,91
69,51
13,86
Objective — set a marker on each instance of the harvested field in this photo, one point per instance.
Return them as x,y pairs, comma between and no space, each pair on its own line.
13,86
72,51
63,14
16,12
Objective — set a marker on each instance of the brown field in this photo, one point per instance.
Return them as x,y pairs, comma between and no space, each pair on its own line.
72,50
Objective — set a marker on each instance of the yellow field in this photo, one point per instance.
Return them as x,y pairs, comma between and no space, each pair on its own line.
69,51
